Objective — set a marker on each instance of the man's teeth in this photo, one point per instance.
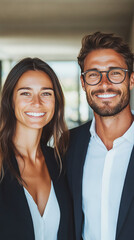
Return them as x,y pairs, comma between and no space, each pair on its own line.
35,114
106,95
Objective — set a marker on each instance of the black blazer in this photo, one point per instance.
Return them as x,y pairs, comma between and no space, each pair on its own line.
15,218
79,140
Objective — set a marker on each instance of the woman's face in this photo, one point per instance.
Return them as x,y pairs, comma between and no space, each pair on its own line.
33,100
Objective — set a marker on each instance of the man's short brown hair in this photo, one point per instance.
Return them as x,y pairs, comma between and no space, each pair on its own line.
100,40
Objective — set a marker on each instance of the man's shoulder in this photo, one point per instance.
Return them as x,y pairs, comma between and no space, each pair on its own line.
80,132
82,128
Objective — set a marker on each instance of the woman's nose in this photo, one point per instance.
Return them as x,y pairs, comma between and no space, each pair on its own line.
36,100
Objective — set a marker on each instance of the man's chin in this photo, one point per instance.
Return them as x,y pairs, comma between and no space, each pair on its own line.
105,113
109,112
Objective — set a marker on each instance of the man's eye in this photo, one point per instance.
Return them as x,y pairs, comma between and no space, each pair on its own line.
116,73
92,74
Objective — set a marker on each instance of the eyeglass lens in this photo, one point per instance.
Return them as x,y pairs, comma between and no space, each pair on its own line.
114,75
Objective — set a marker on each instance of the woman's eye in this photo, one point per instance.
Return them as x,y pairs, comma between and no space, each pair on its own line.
25,93
46,94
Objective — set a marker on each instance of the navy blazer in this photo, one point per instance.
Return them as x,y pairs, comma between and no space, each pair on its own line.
75,158
15,218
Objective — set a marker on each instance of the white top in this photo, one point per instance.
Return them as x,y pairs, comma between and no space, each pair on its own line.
46,226
103,179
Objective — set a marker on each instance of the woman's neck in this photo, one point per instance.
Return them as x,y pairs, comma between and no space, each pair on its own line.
27,142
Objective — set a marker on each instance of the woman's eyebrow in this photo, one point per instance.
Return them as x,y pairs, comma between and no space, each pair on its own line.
24,88
28,88
47,88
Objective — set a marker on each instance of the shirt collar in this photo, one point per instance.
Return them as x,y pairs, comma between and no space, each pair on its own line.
92,128
128,135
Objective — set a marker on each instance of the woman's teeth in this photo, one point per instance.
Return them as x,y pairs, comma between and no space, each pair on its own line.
35,114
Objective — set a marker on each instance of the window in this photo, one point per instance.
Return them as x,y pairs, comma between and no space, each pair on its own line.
76,107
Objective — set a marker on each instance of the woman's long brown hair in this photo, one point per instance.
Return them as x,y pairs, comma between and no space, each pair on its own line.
56,128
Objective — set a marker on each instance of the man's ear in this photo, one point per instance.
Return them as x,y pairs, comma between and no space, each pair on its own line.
82,82
132,81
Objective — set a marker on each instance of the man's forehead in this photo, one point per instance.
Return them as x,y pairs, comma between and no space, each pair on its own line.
105,58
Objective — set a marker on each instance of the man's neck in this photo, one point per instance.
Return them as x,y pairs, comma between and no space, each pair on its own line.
113,127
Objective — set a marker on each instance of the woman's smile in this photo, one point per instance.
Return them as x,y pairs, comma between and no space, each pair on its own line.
35,114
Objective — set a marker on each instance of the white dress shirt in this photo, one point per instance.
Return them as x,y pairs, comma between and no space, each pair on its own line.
103,179
46,226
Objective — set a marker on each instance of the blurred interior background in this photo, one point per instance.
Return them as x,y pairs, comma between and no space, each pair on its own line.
52,30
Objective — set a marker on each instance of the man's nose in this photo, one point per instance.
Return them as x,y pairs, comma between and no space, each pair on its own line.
104,80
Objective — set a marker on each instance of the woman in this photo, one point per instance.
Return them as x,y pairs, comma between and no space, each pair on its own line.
34,198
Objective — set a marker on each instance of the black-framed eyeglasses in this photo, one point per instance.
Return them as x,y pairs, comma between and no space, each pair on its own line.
114,75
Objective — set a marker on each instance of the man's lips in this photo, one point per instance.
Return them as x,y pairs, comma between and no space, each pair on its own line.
106,95
110,93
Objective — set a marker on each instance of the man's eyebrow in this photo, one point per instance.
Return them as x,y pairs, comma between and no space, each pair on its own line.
91,69
28,88
96,69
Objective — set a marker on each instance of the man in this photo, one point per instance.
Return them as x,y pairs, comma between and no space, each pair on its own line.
100,159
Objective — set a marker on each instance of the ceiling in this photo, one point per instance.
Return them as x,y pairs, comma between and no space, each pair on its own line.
53,29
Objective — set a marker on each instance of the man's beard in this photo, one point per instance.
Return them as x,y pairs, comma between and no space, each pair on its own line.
107,110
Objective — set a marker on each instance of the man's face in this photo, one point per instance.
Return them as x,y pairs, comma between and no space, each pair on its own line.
106,98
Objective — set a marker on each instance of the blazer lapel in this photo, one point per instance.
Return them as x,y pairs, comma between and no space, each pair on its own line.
14,201
52,164
80,150
127,194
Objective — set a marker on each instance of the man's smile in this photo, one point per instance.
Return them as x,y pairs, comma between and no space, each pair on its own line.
106,95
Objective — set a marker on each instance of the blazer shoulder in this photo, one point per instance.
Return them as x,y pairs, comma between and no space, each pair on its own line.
82,127
79,139
80,130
